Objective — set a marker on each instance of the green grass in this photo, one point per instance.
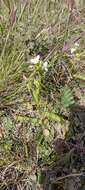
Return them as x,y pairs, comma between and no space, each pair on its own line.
29,96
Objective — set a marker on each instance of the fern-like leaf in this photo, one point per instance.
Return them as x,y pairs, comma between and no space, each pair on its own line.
67,98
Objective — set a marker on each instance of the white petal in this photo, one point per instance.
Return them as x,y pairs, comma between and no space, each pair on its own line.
76,44
46,69
35,60
38,57
73,50
45,66
32,61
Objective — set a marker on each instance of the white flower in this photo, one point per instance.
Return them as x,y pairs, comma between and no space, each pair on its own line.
73,50
76,44
35,60
45,66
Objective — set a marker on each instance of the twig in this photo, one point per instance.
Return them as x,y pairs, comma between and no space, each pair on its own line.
8,167
68,176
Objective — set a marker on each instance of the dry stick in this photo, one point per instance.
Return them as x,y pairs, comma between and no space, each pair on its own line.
24,6
41,32
9,31
36,8
68,176
50,53
8,167
7,37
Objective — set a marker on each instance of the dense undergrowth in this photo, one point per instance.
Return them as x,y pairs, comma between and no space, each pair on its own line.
42,95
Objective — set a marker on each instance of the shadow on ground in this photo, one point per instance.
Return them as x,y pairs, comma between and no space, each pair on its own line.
68,172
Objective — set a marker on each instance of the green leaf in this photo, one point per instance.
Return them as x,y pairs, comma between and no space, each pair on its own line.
67,98
80,76
41,177
53,116
33,120
7,123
